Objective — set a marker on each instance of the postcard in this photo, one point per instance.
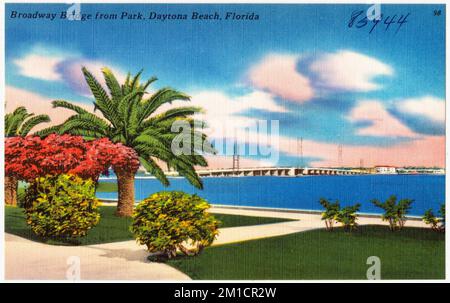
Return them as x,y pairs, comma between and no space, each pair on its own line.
261,142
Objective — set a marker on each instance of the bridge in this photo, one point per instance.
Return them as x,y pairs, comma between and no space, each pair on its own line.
278,171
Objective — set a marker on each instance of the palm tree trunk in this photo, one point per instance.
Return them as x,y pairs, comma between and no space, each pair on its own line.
11,184
125,204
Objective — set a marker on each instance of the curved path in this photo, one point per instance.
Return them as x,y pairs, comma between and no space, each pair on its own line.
28,260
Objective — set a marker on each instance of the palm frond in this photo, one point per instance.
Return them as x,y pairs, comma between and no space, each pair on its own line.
112,84
102,100
68,105
85,125
179,112
186,170
14,120
147,83
151,141
48,131
162,96
32,122
152,167
126,102
126,85
135,82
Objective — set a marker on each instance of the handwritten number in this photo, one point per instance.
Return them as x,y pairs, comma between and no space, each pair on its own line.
388,23
353,17
402,21
359,21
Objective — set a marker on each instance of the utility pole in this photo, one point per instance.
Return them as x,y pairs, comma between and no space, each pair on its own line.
340,155
235,157
300,152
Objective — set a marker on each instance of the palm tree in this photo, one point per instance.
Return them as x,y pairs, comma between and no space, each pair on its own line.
19,123
129,118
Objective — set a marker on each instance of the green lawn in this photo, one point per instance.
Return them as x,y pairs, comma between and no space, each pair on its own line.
111,228
106,187
234,220
412,253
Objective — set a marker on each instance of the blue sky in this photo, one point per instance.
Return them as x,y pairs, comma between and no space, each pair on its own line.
396,76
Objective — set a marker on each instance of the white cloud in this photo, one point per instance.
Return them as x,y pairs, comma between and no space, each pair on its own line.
278,74
429,107
222,111
40,67
382,123
39,104
55,65
348,70
71,73
344,70
223,115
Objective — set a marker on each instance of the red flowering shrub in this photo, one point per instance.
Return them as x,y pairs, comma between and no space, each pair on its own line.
31,157
102,154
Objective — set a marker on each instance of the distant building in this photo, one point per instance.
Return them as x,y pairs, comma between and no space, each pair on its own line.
386,169
438,171
421,170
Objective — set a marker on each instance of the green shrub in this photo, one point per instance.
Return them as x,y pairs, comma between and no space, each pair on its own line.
334,213
442,213
437,224
395,213
331,212
62,206
431,219
169,221
347,217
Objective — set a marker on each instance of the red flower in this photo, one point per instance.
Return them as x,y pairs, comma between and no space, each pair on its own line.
30,157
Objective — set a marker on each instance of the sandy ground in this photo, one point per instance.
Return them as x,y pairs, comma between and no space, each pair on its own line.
28,260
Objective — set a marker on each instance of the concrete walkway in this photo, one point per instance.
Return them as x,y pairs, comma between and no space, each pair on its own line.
28,260
305,221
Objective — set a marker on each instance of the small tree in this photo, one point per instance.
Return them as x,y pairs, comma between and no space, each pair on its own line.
19,123
430,219
331,212
437,224
395,213
347,217
442,213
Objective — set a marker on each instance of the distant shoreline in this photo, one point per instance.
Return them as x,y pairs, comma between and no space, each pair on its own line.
300,176
112,202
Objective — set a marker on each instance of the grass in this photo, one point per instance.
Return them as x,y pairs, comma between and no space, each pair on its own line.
110,228
413,253
106,187
235,220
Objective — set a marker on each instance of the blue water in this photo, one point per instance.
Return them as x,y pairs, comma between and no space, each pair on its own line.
428,191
